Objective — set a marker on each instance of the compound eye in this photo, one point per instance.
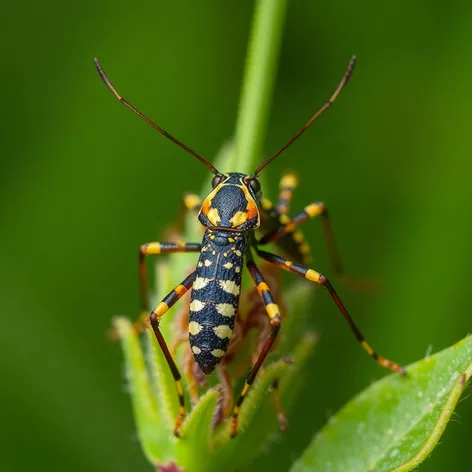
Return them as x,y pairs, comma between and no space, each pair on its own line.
217,179
255,185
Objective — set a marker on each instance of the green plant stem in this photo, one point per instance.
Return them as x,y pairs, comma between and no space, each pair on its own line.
258,82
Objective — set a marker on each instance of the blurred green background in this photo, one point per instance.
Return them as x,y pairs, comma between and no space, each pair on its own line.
84,182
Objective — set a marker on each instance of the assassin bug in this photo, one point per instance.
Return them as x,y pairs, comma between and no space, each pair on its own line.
231,214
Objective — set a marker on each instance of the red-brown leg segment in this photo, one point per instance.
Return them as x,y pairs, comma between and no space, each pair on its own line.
162,308
320,279
274,314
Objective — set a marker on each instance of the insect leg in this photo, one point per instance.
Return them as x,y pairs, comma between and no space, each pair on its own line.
274,314
320,279
311,211
157,248
154,318
288,183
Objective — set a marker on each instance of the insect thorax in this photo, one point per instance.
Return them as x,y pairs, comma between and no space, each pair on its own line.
215,296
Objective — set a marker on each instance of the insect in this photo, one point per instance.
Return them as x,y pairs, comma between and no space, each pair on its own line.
231,213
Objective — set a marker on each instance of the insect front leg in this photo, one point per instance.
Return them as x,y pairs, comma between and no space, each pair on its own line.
156,248
161,309
273,312
320,279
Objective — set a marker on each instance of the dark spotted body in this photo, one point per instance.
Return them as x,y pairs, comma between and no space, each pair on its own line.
230,212
215,296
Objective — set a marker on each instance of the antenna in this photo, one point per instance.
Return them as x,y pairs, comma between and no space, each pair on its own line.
104,77
344,81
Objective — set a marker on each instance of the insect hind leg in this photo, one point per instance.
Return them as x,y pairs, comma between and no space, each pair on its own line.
273,312
160,310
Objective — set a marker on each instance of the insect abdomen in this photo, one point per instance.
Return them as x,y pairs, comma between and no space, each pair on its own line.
215,297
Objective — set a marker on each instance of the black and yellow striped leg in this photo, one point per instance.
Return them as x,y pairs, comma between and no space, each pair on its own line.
311,211
157,248
274,314
320,279
154,317
288,183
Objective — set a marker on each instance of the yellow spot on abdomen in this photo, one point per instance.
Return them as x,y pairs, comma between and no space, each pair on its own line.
223,331
218,352
229,286
200,282
226,309
194,328
196,305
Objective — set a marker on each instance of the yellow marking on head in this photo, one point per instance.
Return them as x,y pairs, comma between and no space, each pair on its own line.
237,269
272,310
252,210
223,331
238,219
208,263
225,309
298,236
152,248
192,201
367,347
196,305
229,286
196,350
261,287
228,265
161,309
314,209
284,219
289,180
200,282
218,353
194,327
180,289
313,275
213,216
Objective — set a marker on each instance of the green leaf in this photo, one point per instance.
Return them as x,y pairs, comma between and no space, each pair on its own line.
149,422
396,422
